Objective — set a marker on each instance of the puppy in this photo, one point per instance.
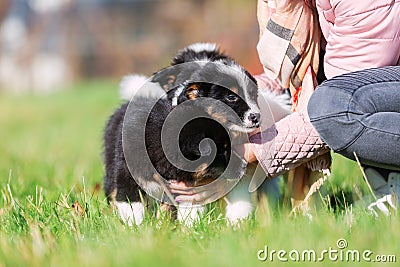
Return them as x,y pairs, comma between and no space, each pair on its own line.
197,72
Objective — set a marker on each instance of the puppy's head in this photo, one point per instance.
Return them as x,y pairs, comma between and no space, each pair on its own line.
242,91
229,106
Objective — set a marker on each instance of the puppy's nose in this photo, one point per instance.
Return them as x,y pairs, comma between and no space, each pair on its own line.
254,117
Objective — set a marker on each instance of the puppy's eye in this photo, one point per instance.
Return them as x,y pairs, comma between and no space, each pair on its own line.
232,98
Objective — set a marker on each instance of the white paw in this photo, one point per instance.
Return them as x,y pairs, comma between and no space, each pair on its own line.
235,212
188,214
131,213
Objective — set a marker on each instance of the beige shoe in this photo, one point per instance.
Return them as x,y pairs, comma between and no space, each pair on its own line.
394,184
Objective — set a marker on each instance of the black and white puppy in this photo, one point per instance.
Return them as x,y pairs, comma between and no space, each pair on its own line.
184,83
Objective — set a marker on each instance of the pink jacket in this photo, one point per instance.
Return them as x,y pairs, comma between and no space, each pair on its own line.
360,34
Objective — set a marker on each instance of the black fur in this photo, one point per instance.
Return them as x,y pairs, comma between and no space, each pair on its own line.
118,182
189,138
189,55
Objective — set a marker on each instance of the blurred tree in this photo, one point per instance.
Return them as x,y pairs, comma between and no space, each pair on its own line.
80,39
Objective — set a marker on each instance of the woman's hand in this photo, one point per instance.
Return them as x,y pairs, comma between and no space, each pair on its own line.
197,195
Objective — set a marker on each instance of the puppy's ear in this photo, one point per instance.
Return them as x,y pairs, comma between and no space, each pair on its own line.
166,77
192,91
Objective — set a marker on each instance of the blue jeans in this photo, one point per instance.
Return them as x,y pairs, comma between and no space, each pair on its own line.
359,112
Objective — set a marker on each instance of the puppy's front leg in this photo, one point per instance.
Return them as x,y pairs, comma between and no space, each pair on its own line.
189,213
130,213
239,205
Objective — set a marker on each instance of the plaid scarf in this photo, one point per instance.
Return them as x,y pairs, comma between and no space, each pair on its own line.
290,43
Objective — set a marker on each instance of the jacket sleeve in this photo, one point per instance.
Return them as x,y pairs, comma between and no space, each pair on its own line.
287,144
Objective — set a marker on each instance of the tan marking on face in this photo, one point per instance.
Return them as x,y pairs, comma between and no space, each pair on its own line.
192,91
171,79
234,89
170,82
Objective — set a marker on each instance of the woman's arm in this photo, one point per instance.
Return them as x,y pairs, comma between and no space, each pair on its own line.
286,145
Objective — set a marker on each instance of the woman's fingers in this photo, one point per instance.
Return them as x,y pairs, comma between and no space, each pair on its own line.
181,188
184,191
196,198
198,195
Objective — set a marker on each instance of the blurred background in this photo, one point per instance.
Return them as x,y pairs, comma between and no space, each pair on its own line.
48,44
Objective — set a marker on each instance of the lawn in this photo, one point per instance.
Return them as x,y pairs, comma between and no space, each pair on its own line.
51,157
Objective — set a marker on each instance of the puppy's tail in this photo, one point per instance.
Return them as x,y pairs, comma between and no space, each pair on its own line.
138,85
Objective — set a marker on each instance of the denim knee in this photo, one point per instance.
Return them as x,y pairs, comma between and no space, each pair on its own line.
327,101
314,108
359,112
328,109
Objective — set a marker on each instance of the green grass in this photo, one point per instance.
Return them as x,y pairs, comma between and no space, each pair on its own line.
51,157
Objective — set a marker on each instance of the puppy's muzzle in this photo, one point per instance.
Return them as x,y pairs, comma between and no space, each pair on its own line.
254,119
